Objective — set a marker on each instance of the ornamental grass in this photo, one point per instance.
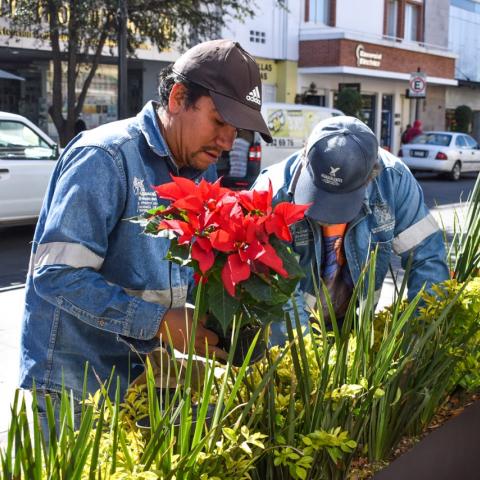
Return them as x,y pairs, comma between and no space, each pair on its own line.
305,411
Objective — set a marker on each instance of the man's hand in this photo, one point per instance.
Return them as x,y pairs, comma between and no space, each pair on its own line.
177,326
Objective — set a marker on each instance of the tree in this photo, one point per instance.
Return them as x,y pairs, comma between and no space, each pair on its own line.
349,101
80,30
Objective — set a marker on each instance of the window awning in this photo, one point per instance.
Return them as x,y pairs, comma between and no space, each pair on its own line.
10,76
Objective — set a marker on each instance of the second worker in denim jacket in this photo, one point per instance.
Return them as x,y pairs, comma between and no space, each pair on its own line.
362,199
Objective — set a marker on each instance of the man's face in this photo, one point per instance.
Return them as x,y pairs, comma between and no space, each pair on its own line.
199,134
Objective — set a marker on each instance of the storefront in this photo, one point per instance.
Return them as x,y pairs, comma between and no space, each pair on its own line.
30,95
381,74
279,79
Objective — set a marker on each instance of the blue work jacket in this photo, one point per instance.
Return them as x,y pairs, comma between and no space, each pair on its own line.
97,287
393,219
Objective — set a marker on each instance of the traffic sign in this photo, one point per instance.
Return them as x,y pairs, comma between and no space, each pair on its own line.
417,85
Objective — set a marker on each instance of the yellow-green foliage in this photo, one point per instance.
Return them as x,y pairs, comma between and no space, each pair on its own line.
464,317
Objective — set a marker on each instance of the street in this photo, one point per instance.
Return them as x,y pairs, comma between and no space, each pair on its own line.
15,241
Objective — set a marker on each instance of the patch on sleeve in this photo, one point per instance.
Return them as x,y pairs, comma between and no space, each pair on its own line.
145,200
302,234
383,217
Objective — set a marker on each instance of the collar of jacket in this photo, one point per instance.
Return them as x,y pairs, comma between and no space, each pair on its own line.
150,127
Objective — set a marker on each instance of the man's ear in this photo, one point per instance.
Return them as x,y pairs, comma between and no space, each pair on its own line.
176,99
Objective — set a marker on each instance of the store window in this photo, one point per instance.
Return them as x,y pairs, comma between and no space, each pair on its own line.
392,18
368,110
318,11
101,102
386,126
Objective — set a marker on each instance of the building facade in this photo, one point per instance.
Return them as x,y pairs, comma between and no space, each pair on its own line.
271,36
374,47
464,40
306,50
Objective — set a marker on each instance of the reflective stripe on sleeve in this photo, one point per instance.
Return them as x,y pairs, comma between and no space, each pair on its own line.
173,298
64,253
415,234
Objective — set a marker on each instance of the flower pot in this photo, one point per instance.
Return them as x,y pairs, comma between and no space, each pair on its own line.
244,341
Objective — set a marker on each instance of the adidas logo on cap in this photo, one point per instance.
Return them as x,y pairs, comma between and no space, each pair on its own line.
254,96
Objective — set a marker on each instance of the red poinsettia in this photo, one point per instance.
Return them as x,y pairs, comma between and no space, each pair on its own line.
214,219
229,237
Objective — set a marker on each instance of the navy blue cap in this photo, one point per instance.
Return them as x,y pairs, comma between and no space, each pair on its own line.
339,158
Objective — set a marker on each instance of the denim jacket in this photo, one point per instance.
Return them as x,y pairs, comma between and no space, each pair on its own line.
97,286
393,219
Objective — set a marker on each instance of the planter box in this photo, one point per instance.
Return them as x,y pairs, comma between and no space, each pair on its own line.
449,453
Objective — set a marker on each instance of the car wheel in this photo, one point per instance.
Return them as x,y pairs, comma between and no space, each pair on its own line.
456,172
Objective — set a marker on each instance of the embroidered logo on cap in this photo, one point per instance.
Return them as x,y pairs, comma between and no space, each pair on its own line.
254,96
332,178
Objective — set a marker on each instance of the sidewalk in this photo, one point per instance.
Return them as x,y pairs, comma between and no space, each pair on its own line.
11,311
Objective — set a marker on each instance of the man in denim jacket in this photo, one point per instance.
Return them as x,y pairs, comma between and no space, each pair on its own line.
362,199
98,290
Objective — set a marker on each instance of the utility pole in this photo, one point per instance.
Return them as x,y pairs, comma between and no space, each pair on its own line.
122,59
417,104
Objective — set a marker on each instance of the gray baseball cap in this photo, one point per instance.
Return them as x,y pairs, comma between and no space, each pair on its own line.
339,158
232,77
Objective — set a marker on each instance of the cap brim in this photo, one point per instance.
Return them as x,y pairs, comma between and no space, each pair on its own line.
240,115
326,207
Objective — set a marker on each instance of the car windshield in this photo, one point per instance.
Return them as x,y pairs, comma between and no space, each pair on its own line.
17,140
442,139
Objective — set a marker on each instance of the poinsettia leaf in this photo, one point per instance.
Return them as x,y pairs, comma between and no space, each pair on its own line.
258,288
280,298
290,263
179,254
221,304
286,286
266,313
151,227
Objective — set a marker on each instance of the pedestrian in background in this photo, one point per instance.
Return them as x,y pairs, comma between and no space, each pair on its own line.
414,131
403,137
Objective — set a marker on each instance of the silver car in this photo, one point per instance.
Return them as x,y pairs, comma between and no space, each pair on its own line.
27,158
448,153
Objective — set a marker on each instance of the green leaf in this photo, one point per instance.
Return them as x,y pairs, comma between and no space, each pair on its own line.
179,254
222,305
290,262
260,290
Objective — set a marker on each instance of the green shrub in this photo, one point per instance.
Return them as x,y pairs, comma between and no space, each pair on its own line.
463,118
349,101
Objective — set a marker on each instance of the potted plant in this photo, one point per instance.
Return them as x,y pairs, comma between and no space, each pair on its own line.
235,242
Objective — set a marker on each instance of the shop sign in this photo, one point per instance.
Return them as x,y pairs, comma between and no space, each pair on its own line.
417,85
367,59
268,71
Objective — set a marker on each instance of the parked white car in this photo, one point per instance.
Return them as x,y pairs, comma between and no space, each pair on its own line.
27,158
449,153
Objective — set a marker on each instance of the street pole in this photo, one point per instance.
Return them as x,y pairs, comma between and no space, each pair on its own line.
417,103
122,59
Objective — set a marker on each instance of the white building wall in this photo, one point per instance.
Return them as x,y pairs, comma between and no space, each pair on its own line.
276,25
464,40
436,22
360,16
